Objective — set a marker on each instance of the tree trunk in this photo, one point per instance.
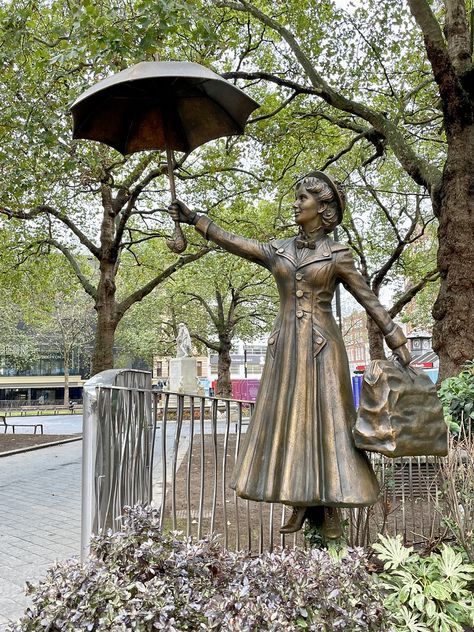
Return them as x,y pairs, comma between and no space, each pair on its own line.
103,355
376,349
224,386
66,377
107,321
453,332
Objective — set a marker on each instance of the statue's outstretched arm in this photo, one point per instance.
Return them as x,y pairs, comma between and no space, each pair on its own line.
242,246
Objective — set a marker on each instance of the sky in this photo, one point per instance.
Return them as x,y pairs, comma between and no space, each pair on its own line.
347,5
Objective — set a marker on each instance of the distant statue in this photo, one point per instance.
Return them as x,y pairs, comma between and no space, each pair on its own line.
183,342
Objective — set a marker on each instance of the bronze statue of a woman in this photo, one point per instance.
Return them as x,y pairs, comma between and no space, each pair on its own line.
298,449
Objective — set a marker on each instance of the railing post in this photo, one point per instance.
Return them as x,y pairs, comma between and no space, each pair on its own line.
118,437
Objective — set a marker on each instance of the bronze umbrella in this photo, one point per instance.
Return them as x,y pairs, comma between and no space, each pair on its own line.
161,105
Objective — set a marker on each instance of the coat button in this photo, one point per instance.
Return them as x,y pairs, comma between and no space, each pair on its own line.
271,341
325,254
299,313
299,293
280,250
319,340
299,276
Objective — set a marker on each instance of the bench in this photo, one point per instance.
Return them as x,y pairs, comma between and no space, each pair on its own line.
13,426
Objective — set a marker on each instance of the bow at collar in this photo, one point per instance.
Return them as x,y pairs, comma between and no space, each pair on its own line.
305,243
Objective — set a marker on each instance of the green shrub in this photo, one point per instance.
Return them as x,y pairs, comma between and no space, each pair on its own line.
457,395
457,488
426,594
142,579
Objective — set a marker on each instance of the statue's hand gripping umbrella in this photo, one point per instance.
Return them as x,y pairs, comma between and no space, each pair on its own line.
161,105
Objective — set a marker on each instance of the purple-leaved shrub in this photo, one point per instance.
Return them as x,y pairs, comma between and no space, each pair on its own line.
143,579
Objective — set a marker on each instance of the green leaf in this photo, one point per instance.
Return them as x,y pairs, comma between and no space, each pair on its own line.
404,594
430,608
392,551
451,565
419,602
437,591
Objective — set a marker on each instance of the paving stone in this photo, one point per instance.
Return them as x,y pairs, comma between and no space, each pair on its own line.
40,509
12,609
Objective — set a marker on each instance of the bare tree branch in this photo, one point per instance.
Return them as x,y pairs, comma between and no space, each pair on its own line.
397,307
215,346
205,305
134,195
139,294
84,281
421,170
49,210
281,107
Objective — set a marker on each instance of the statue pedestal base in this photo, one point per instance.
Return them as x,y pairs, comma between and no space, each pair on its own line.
183,378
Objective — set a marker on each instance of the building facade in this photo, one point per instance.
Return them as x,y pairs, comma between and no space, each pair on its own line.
161,368
356,339
41,380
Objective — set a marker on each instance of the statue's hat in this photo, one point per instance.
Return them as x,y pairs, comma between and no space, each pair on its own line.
335,186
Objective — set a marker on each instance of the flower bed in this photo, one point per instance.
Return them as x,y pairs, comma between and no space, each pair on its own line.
142,579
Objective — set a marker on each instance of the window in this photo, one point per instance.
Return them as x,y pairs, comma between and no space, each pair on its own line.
159,369
256,349
254,369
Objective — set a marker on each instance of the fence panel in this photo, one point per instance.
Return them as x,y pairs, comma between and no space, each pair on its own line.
118,442
200,438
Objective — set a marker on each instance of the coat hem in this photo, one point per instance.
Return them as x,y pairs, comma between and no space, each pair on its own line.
313,503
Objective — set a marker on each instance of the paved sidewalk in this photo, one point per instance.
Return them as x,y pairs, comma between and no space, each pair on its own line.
40,513
53,424
40,509
40,518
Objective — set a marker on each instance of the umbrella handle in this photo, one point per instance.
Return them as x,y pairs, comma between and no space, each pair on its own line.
178,243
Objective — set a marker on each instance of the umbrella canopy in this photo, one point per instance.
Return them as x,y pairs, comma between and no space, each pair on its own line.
161,105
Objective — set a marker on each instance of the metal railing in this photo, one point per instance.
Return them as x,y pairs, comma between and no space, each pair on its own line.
180,449
118,440
199,439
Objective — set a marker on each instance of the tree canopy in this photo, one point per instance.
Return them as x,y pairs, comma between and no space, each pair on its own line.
382,88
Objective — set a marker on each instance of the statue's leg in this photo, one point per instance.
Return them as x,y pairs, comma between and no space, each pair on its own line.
324,522
325,519
332,528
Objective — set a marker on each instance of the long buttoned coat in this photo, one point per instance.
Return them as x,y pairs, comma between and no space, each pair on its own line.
298,448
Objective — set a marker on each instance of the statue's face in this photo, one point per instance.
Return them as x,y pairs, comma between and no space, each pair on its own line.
306,207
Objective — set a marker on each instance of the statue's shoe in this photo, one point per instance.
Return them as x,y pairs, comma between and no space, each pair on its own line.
332,528
296,520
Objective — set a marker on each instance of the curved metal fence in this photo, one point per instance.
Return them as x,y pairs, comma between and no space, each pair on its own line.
179,450
118,440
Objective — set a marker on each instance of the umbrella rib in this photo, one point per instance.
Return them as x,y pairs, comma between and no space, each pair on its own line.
188,146
127,135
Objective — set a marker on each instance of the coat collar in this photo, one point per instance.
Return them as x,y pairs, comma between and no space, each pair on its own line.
324,250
